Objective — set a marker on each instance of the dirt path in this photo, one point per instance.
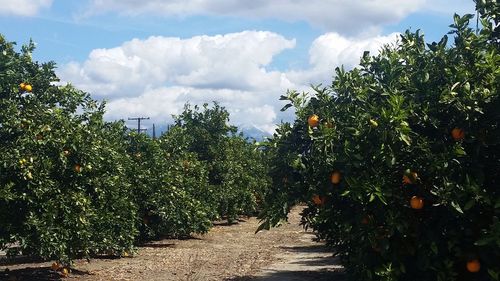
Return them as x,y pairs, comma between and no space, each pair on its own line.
232,253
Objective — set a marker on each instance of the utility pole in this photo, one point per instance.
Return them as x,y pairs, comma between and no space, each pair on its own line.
139,122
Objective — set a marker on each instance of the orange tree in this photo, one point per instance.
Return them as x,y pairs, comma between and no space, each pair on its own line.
400,165
165,183
63,189
236,170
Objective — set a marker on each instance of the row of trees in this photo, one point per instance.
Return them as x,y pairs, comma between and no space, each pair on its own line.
73,185
399,159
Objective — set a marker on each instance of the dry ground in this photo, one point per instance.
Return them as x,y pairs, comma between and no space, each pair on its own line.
232,253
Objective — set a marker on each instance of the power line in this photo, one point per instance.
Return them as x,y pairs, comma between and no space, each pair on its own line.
139,119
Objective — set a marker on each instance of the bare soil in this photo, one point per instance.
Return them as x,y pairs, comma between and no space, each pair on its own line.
227,252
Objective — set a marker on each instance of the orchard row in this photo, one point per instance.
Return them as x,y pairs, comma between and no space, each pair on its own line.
399,159
75,186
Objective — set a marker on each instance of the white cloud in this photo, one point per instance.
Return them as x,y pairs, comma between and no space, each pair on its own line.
155,77
23,7
231,61
342,16
332,50
247,109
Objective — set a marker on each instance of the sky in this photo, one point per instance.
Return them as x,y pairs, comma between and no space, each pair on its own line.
149,57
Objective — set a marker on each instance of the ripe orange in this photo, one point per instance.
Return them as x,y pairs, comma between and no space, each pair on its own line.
406,180
78,168
65,272
313,120
458,134
22,86
318,200
335,177
28,88
417,203
473,265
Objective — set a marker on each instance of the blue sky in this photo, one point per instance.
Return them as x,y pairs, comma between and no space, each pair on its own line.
149,57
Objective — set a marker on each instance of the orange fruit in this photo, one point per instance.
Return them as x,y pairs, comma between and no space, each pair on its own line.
473,265
65,272
318,200
28,88
54,266
416,203
458,134
406,180
313,120
22,86
335,177
78,168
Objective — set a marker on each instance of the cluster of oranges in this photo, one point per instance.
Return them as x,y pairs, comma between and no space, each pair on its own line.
416,202
25,87
411,177
335,178
59,267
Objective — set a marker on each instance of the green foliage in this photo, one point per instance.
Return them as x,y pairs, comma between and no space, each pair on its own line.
390,118
163,185
236,169
49,208
73,185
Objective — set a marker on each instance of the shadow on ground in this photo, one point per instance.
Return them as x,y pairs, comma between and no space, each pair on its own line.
36,274
307,263
294,276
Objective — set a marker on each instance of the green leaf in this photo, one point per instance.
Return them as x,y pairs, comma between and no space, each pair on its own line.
372,197
456,207
405,138
434,248
469,204
287,106
345,193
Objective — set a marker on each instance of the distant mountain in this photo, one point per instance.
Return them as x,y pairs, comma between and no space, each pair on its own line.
254,133
248,132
